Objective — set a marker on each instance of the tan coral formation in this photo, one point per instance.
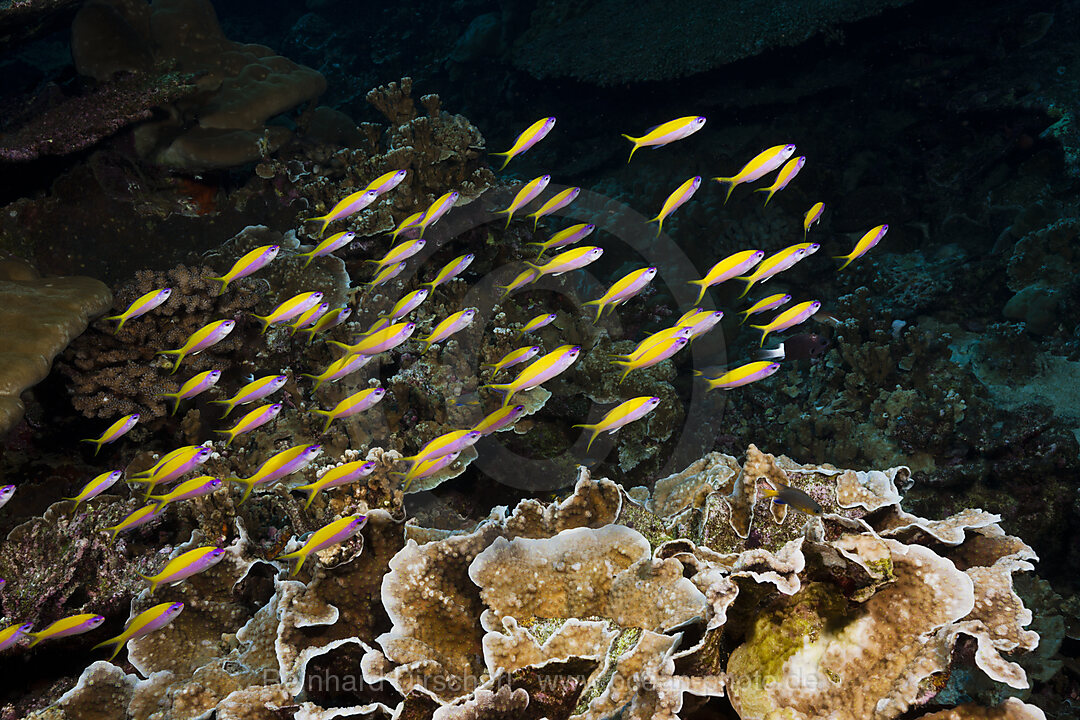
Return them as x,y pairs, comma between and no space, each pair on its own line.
38,318
846,615
241,85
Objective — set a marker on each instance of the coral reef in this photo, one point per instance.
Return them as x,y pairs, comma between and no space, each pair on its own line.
223,123
38,318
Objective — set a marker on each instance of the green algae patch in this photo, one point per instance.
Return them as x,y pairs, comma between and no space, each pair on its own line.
776,635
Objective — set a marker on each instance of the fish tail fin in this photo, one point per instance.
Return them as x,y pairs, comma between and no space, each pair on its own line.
37,638
847,261
749,284
595,431
703,287
535,268
300,556
122,320
248,484
324,219
767,197
96,442
311,493
328,414
764,333
224,283
623,363
599,309
160,504
536,220
231,434
228,406
633,149
118,641
730,181
180,355
506,162
776,353
264,320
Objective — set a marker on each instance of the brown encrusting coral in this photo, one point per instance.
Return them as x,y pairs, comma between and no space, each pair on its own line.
850,614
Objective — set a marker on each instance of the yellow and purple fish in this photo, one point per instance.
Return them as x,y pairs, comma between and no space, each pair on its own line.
656,353
73,625
296,305
743,375
436,210
866,243
308,317
406,305
95,487
453,441
254,419
514,357
173,468
497,420
352,204
426,469
783,178
566,236
336,532
114,432
623,414
661,336
379,341
451,270
144,623
195,386
540,321
187,451
789,318
554,204
386,182
255,390
278,466
193,488
453,324
567,261
762,164
136,519
336,477
539,371
327,246
401,251
777,263
812,216
700,321
668,132
676,200
532,135
782,494
206,336
529,192
358,402
338,369
623,289
141,306
410,223
250,263
12,634
184,566
385,275
6,491
330,320
523,278
765,304
729,267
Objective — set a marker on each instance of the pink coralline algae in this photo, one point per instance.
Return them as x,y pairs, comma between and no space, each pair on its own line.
70,124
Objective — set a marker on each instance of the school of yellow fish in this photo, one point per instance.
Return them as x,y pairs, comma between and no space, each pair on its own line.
309,315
